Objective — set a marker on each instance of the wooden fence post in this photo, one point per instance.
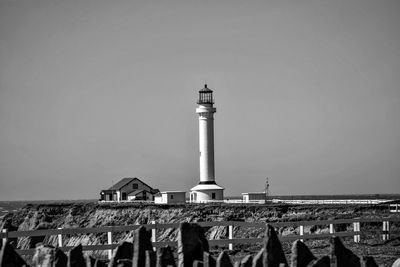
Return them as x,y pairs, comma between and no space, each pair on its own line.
109,241
302,231
60,241
356,228
153,235
5,239
230,236
331,229
385,228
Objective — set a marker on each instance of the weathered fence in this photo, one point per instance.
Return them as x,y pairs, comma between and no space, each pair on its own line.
230,242
192,250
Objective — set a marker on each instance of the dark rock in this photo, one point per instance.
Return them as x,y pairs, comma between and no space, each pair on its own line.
165,257
76,258
9,257
191,244
60,259
301,254
223,260
140,245
341,256
273,255
123,251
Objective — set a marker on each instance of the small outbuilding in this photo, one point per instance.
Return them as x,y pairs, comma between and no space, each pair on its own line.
394,206
206,192
253,197
170,197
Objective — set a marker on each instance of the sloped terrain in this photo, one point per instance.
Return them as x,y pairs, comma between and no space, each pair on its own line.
71,215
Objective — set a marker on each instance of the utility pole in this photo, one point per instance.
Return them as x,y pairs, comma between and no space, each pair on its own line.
112,190
267,193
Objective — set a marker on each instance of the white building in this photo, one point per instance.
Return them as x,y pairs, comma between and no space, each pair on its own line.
207,189
129,189
253,197
170,197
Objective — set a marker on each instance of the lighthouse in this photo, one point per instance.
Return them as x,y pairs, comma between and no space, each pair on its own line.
207,189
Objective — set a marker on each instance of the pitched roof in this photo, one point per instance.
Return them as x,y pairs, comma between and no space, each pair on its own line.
154,191
121,183
125,181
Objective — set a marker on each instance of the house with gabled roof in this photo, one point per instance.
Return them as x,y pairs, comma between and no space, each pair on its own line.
129,189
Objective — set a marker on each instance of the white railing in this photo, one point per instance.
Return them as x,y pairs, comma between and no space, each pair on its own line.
331,201
241,201
287,201
126,201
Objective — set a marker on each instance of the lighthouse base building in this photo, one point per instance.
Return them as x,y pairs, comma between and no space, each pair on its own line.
206,193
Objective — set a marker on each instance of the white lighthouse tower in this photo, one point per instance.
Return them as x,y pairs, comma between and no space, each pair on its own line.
207,189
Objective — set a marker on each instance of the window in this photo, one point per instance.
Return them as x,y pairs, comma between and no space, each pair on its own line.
172,196
213,195
135,186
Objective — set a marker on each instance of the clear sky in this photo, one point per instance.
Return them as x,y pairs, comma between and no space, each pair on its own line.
307,93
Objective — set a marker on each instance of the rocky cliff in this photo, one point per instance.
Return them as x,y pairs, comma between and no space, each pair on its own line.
72,215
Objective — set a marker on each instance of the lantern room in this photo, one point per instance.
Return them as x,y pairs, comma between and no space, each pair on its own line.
205,96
